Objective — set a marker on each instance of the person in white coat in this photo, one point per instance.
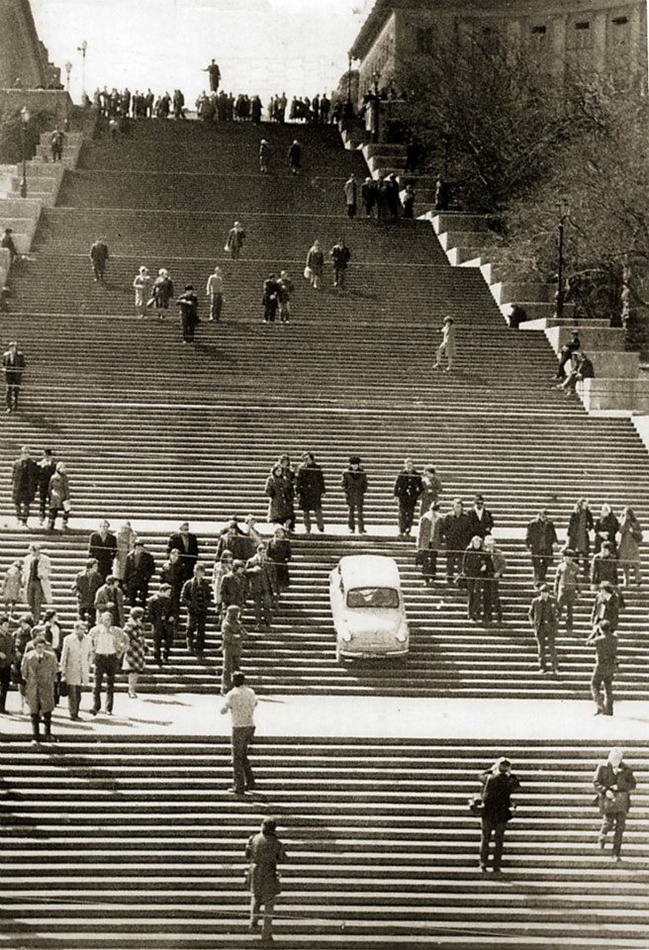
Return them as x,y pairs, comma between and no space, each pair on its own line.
37,591
75,665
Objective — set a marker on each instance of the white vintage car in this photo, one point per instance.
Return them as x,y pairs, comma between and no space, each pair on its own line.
367,607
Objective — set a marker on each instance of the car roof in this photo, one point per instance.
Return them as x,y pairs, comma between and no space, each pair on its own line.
363,570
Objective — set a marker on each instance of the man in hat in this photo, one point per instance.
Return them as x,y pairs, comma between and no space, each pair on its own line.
138,571
544,619
309,488
161,615
498,785
605,642
566,587
407,490
354,485
188,303
39,669
13,367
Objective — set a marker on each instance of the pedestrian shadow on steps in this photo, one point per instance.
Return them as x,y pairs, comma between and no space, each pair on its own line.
12,821
25,935
37,420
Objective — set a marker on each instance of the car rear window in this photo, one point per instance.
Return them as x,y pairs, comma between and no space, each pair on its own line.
373,597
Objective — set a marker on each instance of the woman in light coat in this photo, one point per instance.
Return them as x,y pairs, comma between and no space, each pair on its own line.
314,265
75,665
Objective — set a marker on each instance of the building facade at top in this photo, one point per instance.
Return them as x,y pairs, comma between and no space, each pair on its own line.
23,58
585,37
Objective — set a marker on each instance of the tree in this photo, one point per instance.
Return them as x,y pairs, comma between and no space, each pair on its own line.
603,179
492,121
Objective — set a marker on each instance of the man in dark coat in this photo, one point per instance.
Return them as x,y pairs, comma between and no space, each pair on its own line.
368,196
354,485
340,256
85,586
544,617
607,606
603,567
138,571
188,303
7,242
103,547
540,539
161,616
480,519
196,597
24,482
46,469
498,785
214,74
187,543
295,156
407,490
234,586
614,781
309,488
580,526
605,642
13,367
110,597
456,535
7,655
99,256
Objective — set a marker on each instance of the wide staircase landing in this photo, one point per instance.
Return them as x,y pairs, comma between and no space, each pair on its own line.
137,844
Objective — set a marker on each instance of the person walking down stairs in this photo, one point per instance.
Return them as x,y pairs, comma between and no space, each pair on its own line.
340,256
614,781
544,618
498,785
447,347
314,265
264,851
59,497
214,291
142,287
407,490
604,640
162,292
354,485
39,669
99,256
295,157
264,156
235,240
13,367
188,303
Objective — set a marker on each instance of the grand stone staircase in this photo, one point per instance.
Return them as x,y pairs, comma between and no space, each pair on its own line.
136,844
133,842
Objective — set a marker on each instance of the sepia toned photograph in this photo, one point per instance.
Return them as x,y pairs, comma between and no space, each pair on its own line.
324,475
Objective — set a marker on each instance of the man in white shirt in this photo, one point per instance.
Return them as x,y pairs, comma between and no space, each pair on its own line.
107,649
240,702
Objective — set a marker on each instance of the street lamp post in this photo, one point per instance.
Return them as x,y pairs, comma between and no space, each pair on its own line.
560,295
68,70
24,119
83,49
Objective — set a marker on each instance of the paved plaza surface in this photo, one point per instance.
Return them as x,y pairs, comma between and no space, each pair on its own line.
349,716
